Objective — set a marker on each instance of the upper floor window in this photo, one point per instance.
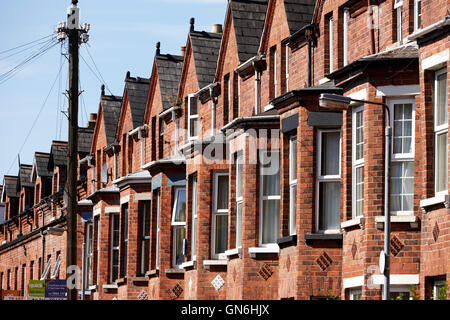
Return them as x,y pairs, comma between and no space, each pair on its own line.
220,215
330,43
358,162
398,6
193,117
417,14
226,98
402,157
328,180
273,71
441,131
270,197
345,35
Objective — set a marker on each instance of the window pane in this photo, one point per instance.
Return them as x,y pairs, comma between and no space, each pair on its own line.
221,233
441,100
330,153
402,186
270,171
359,135
179,242
329,205
239,171
239,224
271,221
293,158
193,106
193,127
359,190
180,210
115,230
194,218
442,165
403,128
222,192
292,209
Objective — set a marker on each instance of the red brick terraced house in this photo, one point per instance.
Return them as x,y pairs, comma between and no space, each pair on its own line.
229,175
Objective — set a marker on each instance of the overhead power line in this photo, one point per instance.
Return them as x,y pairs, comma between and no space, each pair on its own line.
26,44
38,115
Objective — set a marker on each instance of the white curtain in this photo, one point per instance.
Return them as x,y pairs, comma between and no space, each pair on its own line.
271,221
330,198
330,153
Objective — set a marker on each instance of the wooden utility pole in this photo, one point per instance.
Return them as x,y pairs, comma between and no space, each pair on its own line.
75,35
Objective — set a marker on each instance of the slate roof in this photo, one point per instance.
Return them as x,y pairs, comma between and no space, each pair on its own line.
111,113
85,136
137,90
169,72
25,176
41,162
58,155
248,20
10,185
205,46
299,13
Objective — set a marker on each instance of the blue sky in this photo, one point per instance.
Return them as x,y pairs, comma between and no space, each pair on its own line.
122,38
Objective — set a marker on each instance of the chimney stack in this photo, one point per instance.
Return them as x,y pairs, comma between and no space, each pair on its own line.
183,51
92,120
217,28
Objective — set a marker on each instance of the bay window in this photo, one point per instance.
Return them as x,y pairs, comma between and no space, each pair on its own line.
358,162
328,181
402,157
114,263
292,184
179,227
270,197
220,216
441,131
193,117
239,198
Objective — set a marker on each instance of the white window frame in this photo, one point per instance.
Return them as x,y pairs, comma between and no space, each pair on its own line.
238,94
353,292
330,42
403,157
239,199
175,226
194,219
401,289
436,285
287,67
114,248
217,212
57,265
345,31
293,184
327,178
399,13
158,212
439,130
192,117
275,72
89,253
417,16
143,239
47,269
357,163
262,198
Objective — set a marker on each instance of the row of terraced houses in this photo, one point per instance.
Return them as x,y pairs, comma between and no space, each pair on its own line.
220,176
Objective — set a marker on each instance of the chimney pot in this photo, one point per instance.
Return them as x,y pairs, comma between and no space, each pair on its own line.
217,28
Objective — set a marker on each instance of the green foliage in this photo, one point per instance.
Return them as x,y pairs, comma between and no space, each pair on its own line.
330,295
414,293
442,294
